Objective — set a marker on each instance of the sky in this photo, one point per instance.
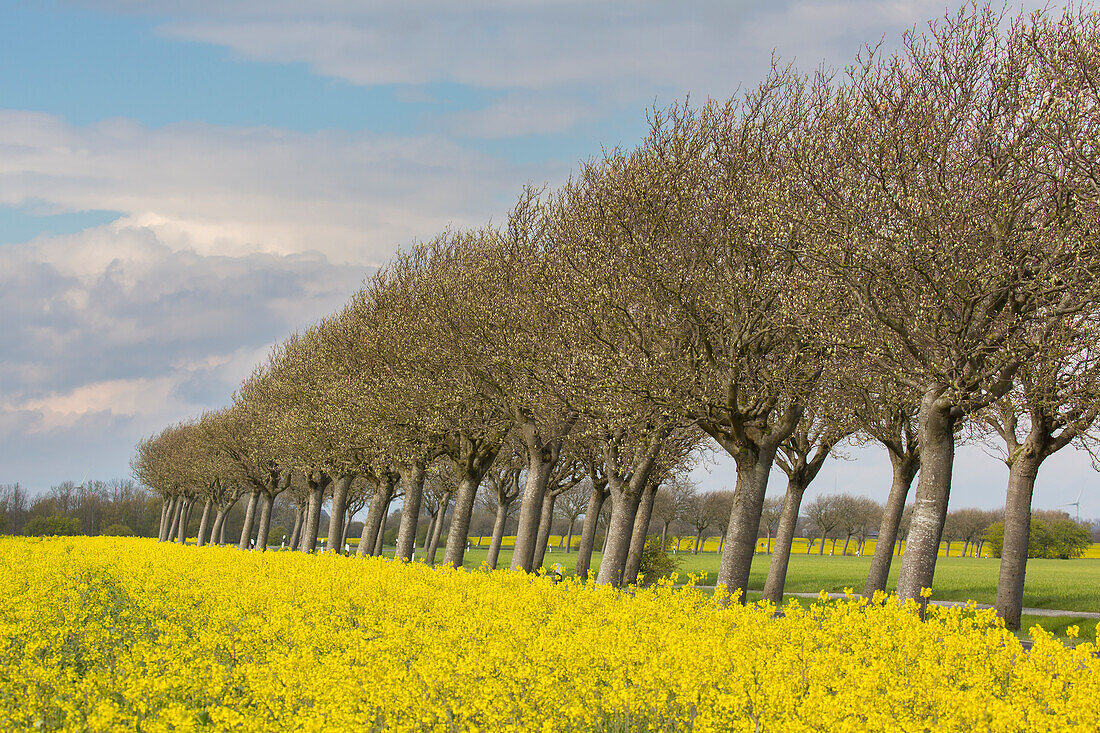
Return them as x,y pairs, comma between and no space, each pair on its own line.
184,183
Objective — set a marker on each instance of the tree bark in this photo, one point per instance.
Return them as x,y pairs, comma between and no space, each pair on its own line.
498,535
639,533
299,516
413,479
1010,581
569,536
204,523
624,505
431,530
249,518
437,528
744,526
546,523
588,530
904,470
936,437
380,539
698,541
173,520
318,481
165,512
530,512
181,531
216,530
379,504
784,540
267,502
336,514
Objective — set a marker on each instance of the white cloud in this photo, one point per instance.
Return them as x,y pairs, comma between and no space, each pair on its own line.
235,191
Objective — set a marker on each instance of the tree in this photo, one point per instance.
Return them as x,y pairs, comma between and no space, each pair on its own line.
953,240
500,500
824,514
769,518
700,513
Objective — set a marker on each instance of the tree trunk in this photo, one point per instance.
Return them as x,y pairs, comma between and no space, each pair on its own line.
181,531
219,522
336,514
1010,581
569,536
936,437
904,469
784,540
498,535
624,505
844,551
165,512
530,512
348,515
744,526
174,519
318,482
588,530
379,504
437,528
638,534
546,521
267,502
249,519
431,530
901,542
299,515
698,539
664,536
204,523
821,547
413,479
459,531
947,551
380,538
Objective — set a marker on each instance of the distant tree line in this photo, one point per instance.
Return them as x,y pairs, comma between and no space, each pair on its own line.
904,254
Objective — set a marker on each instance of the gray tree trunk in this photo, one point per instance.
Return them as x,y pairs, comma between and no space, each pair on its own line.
336,514
784,540
249,519
624,505
379,504
219,522
569,536
498,535
181,530
844,550
821,547
165,512
936,437
299,516
318,482
380,539
1010,581
904,470
344,532
546,523
267,501
173,518
221,531
638,535
459,530
744,525
437,528
698,541
431,530
530,511
588,530
413,479
204,523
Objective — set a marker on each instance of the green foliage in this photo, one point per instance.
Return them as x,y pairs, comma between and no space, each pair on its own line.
276,534
656,563
118,530
56,525
1059,539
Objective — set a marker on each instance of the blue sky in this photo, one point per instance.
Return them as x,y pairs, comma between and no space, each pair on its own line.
183,183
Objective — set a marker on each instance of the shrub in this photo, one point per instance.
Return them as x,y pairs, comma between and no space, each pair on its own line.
276,534
118,530
1062,538
56,525
656,563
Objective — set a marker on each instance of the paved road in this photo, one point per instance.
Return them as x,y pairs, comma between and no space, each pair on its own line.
1026,611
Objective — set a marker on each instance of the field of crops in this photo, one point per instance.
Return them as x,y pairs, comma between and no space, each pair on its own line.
99,634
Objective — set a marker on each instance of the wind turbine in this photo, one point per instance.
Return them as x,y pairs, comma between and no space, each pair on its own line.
1076,503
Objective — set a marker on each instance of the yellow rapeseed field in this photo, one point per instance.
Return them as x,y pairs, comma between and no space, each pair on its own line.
126,634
